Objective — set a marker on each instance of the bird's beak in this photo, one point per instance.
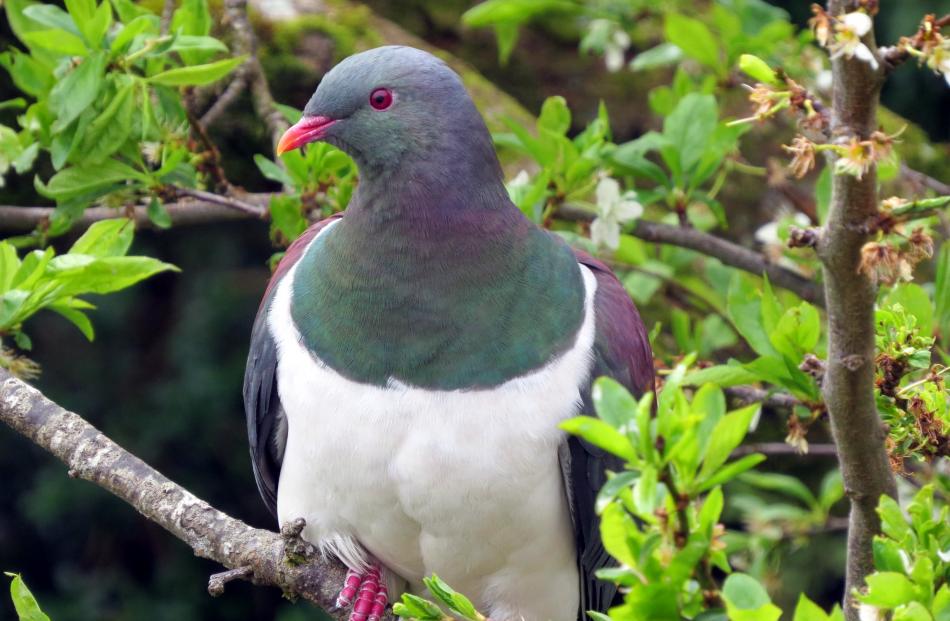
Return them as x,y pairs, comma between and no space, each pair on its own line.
308,129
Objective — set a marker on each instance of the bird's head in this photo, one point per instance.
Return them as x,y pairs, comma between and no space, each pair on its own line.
392,106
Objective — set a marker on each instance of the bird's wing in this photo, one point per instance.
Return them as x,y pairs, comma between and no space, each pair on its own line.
621,351
266,421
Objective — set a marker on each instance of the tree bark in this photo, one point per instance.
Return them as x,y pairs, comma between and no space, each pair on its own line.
849,299
261,556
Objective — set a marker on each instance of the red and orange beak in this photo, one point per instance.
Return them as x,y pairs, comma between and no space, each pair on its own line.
308,129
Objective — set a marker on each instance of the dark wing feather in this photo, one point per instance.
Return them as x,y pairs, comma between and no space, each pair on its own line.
266,422
621,351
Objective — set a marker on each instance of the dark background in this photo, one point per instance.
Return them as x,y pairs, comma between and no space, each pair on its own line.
163,377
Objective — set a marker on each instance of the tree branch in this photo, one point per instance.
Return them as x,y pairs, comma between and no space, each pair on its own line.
252,553
774,449
850,298
717,247
185,212
235,12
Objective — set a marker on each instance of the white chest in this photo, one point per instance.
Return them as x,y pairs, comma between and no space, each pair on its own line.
465,484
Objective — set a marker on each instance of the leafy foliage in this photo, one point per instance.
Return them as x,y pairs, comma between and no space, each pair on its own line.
103,104
96,263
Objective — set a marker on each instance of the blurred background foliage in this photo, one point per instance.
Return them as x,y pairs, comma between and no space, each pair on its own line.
163,377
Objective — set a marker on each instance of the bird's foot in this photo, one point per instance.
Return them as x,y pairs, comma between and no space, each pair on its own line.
370,593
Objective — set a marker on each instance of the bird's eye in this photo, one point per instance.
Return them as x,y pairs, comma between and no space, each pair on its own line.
381,98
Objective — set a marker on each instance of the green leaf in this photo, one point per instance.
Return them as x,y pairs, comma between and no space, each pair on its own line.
76,317
106,238
513,11
197,75
454,601
726,436
78,274
807,610
157,214
783,483
59,41
744,307
109,131
132,29
613,402
747,600
913,611
694,38
942,291
197,42
893,522
615,523
731,471
759,70
887,589
25,604
555,115
600,434
507,36
51,16
711,512
724,375
76,92
916,302
690,126
614,485
414,607
272,171
77,180
287,216
662,55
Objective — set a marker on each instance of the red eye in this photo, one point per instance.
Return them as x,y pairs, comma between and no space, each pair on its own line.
381,98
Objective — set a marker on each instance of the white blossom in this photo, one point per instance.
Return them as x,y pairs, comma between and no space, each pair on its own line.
939,59
866,612
851,27
613,209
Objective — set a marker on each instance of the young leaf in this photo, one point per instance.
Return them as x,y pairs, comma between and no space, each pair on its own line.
613,402
747,600
106,238
694,38
600,434
887,589
726,436
197,75
74,93
25,604
759,70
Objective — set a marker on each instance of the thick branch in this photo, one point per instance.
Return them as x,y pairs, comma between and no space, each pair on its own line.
849,299
258,554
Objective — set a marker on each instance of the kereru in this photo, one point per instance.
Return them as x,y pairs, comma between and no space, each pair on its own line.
412,358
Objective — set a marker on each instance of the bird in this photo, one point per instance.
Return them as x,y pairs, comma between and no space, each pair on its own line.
413,356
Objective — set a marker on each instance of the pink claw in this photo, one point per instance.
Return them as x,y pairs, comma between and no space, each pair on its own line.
371,595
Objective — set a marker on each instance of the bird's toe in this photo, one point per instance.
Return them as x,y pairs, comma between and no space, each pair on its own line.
371,595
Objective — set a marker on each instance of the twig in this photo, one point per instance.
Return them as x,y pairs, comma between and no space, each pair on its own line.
217,582
168,10
212,534
713,246
222,103
895,55
776,449
751,394
850,298
235,12
924,181
221,199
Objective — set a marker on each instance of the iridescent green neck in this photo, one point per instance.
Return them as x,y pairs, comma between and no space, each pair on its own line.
442,300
